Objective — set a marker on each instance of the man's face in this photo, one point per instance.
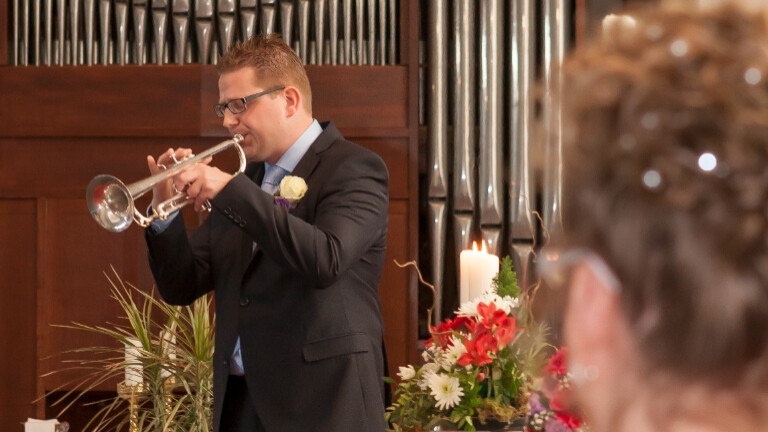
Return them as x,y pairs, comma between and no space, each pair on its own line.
261,124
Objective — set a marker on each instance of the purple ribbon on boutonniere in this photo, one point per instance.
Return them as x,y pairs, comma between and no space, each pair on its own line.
283,202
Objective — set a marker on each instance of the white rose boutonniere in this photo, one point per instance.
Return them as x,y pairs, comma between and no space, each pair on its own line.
290,191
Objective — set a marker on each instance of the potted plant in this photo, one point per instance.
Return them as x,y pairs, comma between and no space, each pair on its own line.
162,363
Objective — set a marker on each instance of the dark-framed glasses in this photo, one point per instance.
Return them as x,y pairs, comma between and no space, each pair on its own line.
237,106
555,267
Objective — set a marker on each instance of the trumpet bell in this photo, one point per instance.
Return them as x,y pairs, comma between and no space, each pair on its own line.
110,203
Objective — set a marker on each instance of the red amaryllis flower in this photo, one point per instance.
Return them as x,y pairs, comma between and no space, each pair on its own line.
441,334
477,350
558,364
506,332
491,316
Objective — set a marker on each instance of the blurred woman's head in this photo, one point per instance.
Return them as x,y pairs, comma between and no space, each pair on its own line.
666,182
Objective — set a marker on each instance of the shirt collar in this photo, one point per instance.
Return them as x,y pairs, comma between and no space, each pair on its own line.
295,152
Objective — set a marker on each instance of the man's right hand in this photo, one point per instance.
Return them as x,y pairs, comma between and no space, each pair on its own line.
163,190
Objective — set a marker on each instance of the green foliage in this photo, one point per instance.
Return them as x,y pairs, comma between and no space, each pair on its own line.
175,353
505,282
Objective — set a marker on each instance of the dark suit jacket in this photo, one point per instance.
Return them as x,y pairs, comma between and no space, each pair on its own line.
306,305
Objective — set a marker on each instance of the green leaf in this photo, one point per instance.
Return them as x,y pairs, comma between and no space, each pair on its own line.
505,281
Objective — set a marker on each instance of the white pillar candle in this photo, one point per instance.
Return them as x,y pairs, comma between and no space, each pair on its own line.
477,268
168,341
134,370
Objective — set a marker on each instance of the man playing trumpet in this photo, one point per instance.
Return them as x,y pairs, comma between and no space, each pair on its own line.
299,337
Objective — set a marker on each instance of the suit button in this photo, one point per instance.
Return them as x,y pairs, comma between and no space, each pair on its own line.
244,301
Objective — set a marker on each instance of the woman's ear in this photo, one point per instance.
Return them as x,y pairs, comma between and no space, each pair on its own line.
595,327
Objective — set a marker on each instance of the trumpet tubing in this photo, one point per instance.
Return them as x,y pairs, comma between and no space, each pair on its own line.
112,203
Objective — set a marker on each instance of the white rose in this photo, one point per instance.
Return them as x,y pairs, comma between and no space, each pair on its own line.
292,188
406,373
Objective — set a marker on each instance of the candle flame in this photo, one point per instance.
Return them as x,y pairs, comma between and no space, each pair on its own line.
483,247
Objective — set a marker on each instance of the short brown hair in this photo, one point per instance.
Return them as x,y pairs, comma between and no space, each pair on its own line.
689,243
273,60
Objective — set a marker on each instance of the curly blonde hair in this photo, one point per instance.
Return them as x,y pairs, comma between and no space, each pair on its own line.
666,177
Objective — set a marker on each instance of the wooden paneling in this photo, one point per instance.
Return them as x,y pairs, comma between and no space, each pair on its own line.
74,257
18,372
398,300
173,101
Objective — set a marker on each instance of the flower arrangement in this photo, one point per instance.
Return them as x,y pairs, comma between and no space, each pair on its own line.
290,191
477,367
548,407
171,353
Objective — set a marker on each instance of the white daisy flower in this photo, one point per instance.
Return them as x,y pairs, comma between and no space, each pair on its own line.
446,390
454,352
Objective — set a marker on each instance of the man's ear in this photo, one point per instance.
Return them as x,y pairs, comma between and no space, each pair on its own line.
292,101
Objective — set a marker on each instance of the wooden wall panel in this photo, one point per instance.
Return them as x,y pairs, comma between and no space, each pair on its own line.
101,101
398,300
74,257
18,282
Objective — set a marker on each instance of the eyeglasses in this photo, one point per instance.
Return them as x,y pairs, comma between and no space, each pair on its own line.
237,106
555,267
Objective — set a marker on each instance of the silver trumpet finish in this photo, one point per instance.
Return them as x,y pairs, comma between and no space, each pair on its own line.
521,120
303,10
180,15
89,14
464,109
105,13
268,17
346,16
359,30
226,15
286,21
121,29
553,54
320,8
491,155
333,21
112,203
249,11
160,28
438,212
139,31
204,29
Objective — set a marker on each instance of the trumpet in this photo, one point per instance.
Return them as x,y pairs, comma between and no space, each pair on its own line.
112,203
